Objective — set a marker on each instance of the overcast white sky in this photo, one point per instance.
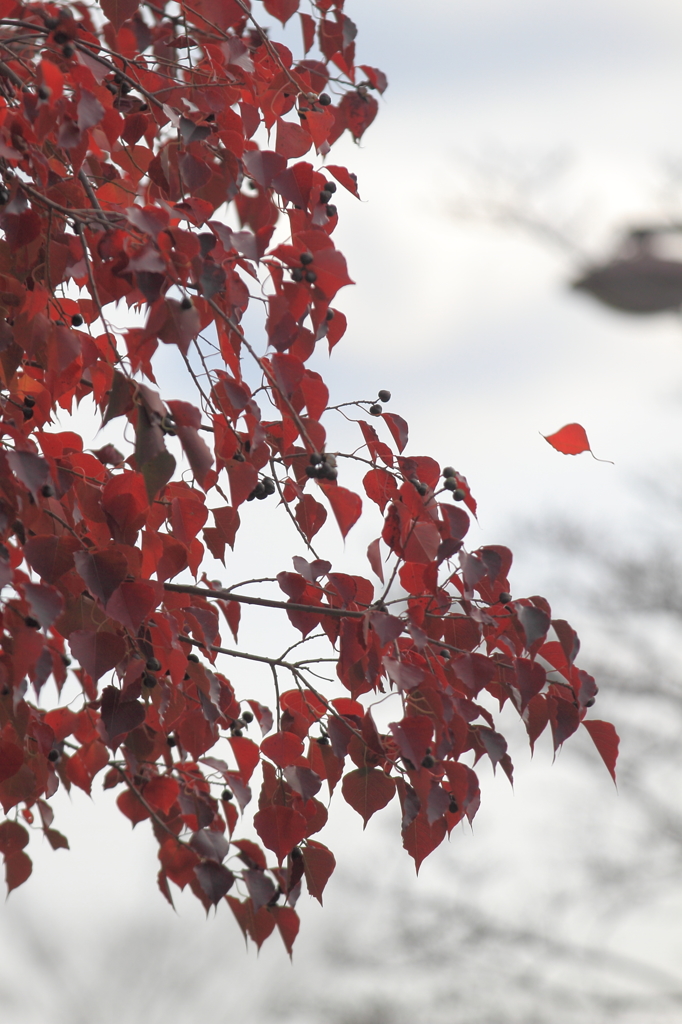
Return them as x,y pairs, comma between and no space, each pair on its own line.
484,348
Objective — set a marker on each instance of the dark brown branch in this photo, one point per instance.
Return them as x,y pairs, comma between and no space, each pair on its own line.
264,602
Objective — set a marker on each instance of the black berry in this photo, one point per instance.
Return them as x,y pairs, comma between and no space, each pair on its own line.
450,484
47,491
323,740
247,716
236,732
449,471
316,459
238,457
171,741
76,320
504,597
325,196
192,657
53,756
454,807
311,471
331,210
589,703
384,396
296,853
330,186
186,303
153,664
4,196
43,92
428,761
31,623
329,314
226,795
269,485
149,681
257,492
297,274
306,258
310,276
458,494
375,410
29,401
324,100
68,50
28,413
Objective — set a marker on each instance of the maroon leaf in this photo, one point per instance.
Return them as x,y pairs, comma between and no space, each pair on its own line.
119,716
606,740
98,653
11,760
215,880
103,571
46,603
280,828
367,790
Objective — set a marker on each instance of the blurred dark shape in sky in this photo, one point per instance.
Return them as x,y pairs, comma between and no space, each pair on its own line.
638,279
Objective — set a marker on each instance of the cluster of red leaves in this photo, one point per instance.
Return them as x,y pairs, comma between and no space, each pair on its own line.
121,143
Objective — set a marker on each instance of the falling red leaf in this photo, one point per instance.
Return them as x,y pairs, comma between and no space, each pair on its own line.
571,440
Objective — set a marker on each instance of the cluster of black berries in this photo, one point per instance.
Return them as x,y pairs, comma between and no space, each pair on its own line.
241,723
27,408
384,396
325,196
450,484
263,489
322,467
300,273
149,680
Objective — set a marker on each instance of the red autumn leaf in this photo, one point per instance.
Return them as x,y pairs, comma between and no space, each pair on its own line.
398,427
571,440
11,759
131,805
310,515
292,140
178,861
288,924
282,9
51,557
46,603
346,506
132,603
319,863
420,838
161,792
247,755
280,828
606,740
13,837
367,790
343,176
119,716
18,867
282,747
118,11
103,571
98,653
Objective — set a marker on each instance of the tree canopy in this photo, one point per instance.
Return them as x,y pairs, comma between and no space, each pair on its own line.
164,169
